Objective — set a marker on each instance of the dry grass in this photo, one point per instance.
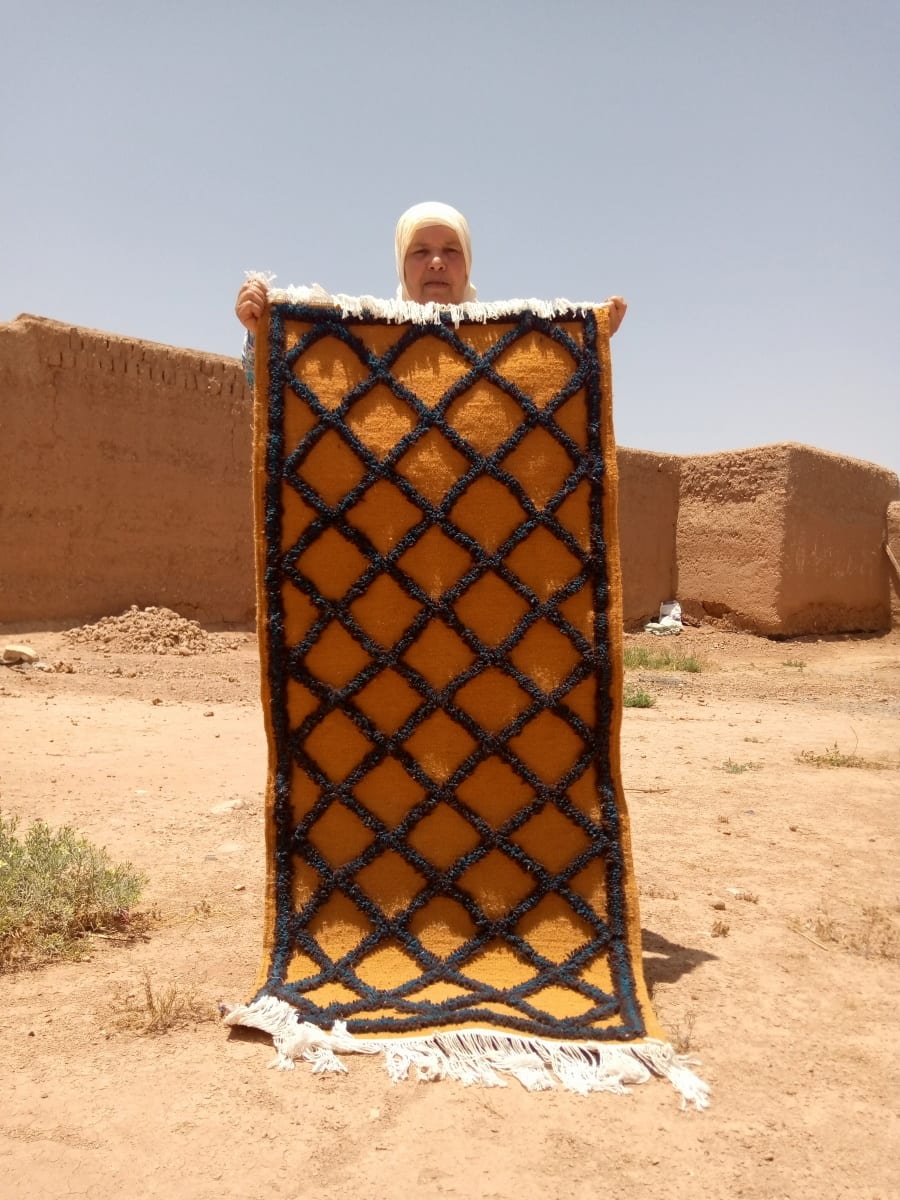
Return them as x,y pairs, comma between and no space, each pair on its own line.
154,1008
652,892
681,1032
872,932
194,912
835,757
720,928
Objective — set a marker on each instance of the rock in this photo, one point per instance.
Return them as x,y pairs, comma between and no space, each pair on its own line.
18,654
227,806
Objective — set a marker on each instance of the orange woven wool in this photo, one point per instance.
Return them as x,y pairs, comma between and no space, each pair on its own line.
440,615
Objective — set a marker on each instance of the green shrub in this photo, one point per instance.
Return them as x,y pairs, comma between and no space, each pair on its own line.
56,888
738,768
662,659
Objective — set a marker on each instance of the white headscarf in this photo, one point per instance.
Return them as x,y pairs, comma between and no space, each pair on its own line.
432,212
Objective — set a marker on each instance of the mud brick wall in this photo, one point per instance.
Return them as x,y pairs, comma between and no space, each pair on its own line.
648,519
125,478
785,540
892,543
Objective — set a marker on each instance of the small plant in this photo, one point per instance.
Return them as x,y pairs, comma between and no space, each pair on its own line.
877,935
747,897
683,1032
720,928
158,1008
824,927
653,892
794,662
635,697
835,757
660,660
723,818
56,889
872,933
752,739
738,768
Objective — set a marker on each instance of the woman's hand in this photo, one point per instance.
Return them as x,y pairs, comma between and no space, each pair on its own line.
251,302
617,307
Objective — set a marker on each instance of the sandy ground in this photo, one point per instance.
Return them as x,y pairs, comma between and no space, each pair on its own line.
770,904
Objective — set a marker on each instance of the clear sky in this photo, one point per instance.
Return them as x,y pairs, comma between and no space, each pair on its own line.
732,169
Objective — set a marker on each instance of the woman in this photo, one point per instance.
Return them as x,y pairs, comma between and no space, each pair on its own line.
434,261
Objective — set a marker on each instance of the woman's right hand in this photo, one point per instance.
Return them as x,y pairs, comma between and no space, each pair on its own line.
251,302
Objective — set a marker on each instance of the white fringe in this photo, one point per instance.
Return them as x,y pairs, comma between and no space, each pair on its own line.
398,311
478,1056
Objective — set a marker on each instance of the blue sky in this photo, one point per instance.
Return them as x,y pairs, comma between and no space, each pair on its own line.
733,170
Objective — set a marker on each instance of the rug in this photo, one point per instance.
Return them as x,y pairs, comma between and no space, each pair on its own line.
448,852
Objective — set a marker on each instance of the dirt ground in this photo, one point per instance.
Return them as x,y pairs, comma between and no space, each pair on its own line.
770,905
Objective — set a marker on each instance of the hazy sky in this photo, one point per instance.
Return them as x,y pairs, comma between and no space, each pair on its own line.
732,169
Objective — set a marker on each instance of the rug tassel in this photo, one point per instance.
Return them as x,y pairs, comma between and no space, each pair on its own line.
398,311
475,1056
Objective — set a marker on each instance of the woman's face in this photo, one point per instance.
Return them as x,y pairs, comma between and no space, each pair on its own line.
435,266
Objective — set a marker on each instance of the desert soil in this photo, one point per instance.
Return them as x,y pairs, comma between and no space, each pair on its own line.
770,904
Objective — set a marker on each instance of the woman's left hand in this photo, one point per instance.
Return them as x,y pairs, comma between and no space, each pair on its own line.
617,307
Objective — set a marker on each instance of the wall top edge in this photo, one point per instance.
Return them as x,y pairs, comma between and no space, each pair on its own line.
30,323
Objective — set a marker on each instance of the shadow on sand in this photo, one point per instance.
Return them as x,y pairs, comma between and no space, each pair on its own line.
666,961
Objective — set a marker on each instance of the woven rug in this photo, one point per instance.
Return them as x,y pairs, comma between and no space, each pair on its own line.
449,866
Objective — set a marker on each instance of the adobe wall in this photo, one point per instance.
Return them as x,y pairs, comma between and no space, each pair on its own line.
127,481
835,574
785,540
648,516
126,478
729,535
892,543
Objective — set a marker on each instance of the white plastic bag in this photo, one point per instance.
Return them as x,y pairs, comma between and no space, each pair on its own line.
669,619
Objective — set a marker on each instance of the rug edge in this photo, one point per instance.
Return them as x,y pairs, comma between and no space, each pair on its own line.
475,1056
399,311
